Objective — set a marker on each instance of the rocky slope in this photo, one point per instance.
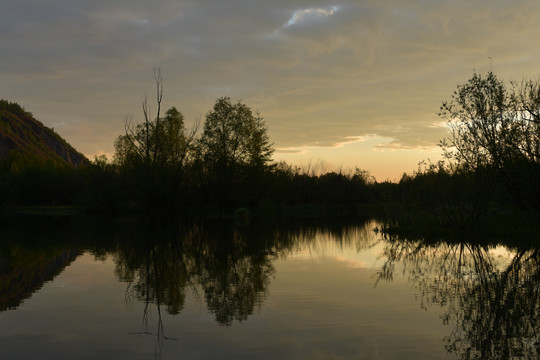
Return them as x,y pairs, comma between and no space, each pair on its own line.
22,134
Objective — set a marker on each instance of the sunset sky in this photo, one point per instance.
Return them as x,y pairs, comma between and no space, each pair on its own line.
351,83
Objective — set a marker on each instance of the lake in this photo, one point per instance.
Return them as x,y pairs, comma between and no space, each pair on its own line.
146,288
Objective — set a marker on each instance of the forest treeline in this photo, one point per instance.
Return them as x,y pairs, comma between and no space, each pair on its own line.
491,167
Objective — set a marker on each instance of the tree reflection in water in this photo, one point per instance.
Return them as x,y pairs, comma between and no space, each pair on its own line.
229,267
490,295
491,301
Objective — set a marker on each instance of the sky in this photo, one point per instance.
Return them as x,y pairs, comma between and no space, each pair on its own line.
340,83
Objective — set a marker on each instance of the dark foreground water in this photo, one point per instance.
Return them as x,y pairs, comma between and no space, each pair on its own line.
75,288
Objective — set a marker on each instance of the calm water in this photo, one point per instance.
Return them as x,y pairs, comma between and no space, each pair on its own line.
142,289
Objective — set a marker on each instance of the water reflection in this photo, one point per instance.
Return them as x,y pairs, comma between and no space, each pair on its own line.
230,267
24,272
490,294
29,257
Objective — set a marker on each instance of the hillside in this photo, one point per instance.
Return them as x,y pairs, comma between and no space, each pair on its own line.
22,135
24,274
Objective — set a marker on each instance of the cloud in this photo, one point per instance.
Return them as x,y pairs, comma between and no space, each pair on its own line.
330,71
333,143
413,137
300,17
285,150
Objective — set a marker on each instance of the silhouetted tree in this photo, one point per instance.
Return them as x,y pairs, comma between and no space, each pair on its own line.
234,145
492,126
154,152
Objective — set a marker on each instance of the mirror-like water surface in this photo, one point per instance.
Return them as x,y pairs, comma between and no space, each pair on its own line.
142,289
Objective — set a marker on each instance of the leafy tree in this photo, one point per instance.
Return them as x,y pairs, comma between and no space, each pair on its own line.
479,122
158,143
493,126
234,146
174,139
155,151
526,101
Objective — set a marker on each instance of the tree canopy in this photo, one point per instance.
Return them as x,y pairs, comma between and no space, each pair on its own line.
234,137
493,125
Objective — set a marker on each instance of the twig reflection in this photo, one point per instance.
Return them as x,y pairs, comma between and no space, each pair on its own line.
491,301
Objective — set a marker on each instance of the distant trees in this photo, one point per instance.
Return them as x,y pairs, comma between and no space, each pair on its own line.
496,126
232,153
228,165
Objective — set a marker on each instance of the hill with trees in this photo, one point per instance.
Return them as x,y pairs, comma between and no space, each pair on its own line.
25,140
